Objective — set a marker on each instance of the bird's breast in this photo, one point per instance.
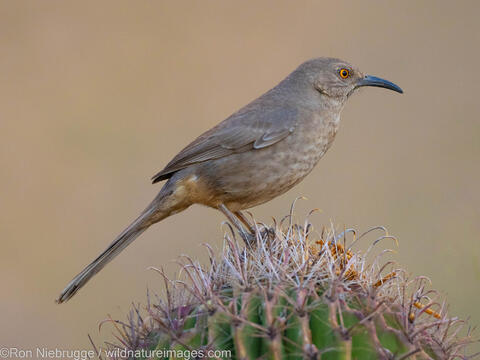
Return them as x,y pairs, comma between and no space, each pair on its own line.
314,138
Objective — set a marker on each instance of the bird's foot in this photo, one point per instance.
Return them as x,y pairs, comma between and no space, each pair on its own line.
263,234
249,238
267,234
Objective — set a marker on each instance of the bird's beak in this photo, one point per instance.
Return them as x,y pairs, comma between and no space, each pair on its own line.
369,80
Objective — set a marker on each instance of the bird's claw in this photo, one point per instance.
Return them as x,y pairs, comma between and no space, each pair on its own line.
265,234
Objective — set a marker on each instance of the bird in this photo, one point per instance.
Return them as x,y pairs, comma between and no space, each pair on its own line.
253,156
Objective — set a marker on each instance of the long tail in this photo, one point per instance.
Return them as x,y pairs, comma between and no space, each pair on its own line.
166,203
121,242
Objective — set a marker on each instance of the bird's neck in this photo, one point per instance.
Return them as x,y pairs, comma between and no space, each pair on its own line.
333,104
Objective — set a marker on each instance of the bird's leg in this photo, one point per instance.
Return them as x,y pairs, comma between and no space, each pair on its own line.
246,236
241,216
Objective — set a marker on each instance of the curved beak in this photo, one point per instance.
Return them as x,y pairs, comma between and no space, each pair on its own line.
369,80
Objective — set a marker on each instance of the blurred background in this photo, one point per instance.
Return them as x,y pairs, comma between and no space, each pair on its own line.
96,97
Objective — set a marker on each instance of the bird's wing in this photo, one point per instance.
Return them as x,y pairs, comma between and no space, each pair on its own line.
245,130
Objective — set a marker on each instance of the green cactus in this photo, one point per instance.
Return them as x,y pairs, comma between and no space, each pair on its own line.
291,297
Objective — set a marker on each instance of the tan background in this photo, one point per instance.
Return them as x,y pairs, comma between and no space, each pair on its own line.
95,97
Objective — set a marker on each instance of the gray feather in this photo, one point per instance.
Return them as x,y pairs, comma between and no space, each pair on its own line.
253,127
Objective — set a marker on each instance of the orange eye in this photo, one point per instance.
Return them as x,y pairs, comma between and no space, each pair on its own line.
344,73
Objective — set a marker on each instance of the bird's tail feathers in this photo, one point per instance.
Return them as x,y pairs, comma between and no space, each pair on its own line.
121,242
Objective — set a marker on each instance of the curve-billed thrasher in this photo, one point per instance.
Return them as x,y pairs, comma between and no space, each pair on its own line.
256,154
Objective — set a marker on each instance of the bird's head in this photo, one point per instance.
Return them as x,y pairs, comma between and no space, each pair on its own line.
336,78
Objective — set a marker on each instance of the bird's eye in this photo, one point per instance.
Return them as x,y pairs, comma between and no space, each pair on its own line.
344,73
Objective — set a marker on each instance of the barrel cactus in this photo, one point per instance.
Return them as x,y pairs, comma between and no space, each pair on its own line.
294,294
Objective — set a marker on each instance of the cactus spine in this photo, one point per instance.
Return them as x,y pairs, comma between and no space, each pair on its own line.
295,295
